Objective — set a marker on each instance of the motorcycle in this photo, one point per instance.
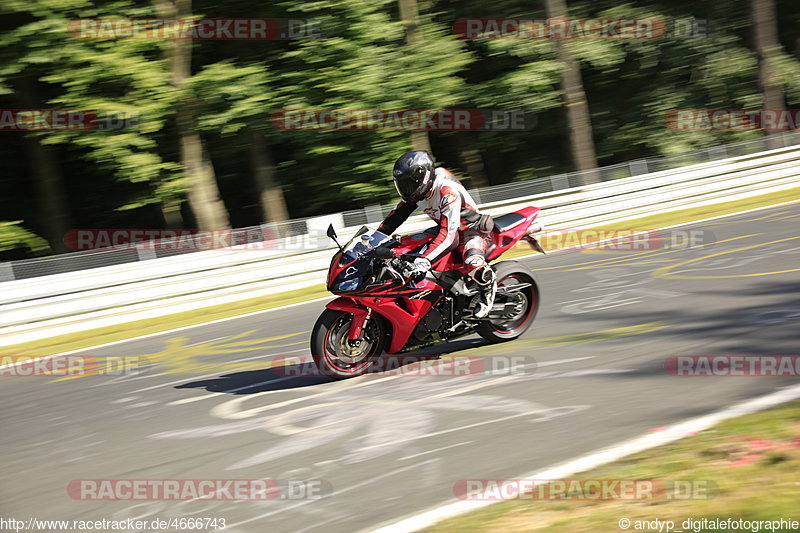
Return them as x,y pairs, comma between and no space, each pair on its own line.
383,306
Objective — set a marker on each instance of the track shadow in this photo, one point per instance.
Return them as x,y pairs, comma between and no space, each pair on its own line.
255,381
762,320
301,372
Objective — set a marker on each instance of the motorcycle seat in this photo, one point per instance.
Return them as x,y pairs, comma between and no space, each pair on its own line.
507,221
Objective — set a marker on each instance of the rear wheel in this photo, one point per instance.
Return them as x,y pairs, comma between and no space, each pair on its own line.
521,305
332,353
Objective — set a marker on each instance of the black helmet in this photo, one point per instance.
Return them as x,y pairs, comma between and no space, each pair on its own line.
413,175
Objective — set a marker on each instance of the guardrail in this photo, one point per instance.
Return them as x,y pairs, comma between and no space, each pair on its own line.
52,305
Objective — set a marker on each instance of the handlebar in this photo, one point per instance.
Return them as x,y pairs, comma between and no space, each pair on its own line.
384,253
399,266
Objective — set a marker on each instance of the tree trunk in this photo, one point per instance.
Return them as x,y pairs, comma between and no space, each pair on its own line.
421,141
579,123
273,204
204,197
50,197
765,40
409,14
171,214
473,164
54,217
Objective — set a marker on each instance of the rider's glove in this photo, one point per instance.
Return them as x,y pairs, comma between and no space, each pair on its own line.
421,265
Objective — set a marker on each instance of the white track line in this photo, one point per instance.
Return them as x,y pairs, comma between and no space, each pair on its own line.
208,341
426,452
278,380
358,485
600,458
219,320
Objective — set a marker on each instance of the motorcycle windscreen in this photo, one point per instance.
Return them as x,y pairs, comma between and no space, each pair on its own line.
360,244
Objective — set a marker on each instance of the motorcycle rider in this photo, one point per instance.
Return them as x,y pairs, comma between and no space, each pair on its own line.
442,197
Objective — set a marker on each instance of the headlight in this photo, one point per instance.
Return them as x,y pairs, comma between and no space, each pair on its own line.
349,285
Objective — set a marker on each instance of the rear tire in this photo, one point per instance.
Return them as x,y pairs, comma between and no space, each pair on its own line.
331,353
512,325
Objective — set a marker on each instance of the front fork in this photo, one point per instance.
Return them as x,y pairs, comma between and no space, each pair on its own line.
360,320
361,314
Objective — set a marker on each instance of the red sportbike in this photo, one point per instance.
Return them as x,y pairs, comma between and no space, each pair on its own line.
384,307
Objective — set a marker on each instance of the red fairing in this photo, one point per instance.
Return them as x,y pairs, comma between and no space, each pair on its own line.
358,311
410,242
346,304
403,317
335,269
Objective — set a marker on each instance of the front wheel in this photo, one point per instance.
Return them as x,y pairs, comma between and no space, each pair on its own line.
332,353
521,305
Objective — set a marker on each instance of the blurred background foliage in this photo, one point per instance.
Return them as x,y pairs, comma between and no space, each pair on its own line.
204,153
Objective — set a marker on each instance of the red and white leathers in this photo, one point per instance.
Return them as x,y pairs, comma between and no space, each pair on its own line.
450,205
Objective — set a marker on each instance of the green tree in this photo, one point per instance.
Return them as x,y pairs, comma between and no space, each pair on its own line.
579,122
204,196
236,100
363,62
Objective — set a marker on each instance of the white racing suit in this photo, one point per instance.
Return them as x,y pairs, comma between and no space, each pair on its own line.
461,226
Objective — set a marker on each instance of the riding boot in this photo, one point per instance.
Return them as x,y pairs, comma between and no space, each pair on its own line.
487,284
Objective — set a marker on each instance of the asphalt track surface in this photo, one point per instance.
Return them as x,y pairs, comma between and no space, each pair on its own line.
385,447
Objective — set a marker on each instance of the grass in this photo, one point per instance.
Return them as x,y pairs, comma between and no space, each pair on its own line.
753,462
85,339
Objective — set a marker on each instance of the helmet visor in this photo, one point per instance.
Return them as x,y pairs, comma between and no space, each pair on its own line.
410,186
407,189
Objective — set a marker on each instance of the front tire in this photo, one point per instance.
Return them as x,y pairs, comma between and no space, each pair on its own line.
513,324
332,354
